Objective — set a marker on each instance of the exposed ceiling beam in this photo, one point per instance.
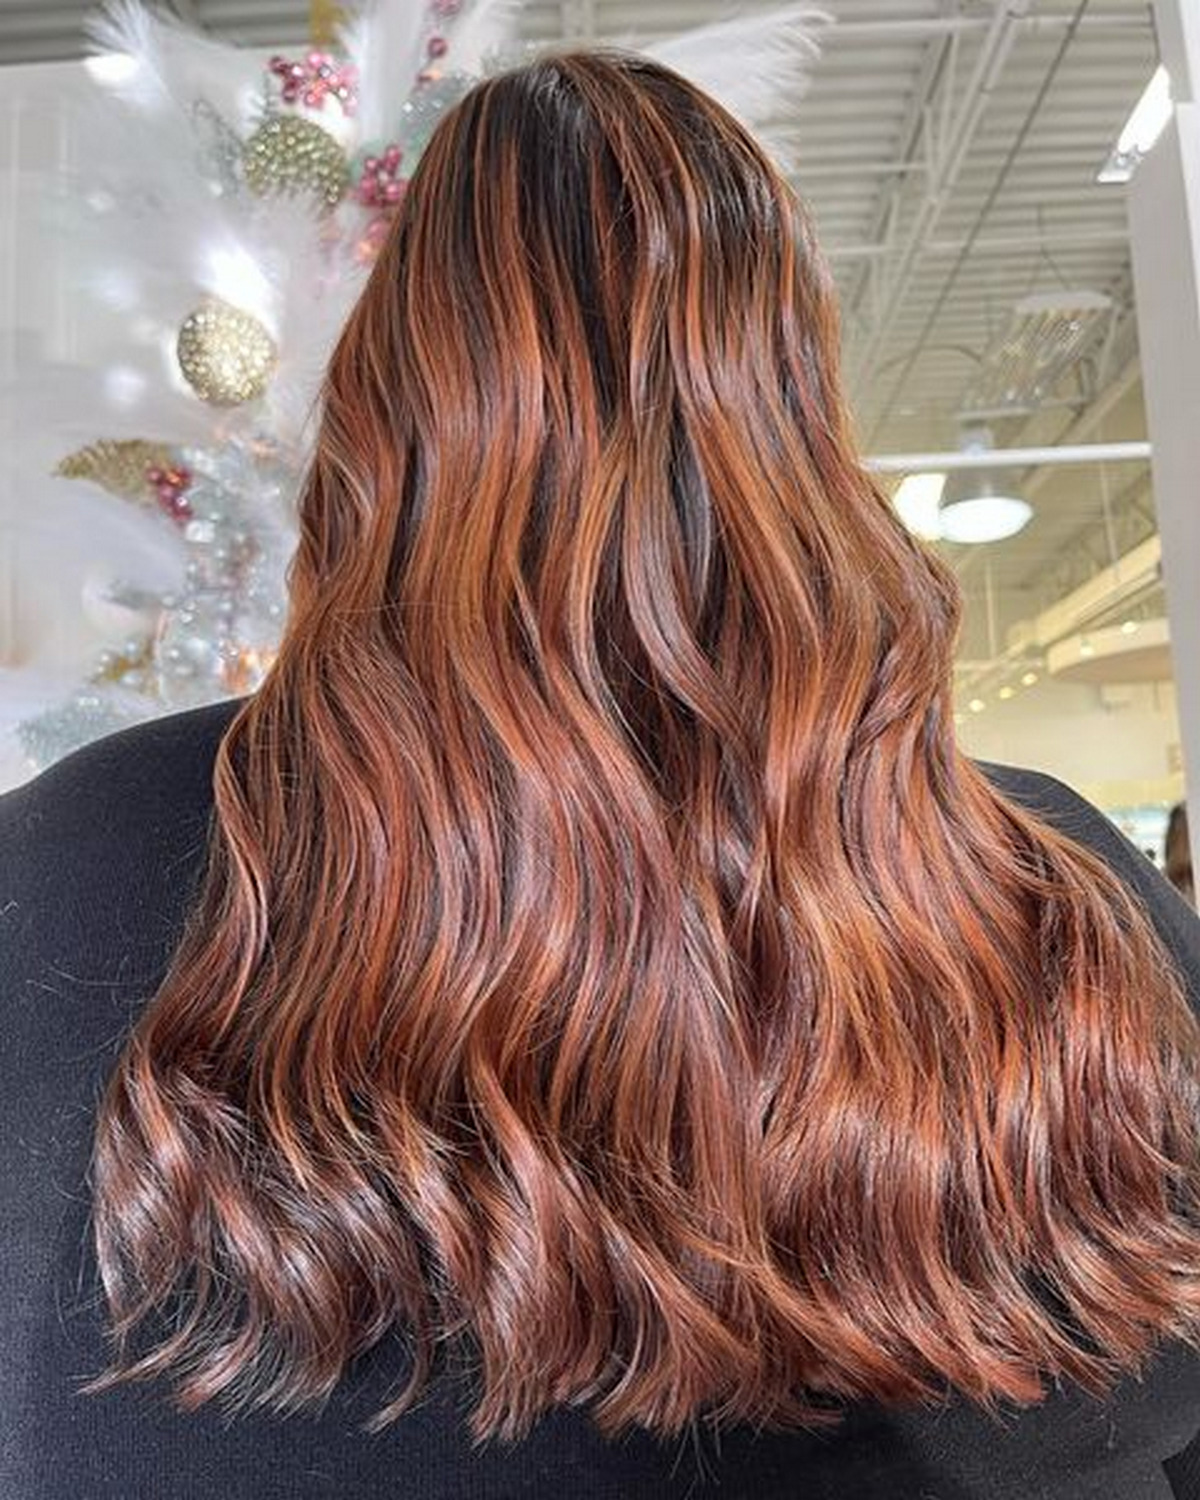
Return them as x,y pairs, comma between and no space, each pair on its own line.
947,156
958,156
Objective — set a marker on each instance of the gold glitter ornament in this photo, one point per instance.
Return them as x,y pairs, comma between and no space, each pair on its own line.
226,355
289,154
120,467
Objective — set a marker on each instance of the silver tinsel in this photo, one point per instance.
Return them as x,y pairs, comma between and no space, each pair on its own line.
222,628
218,632
86,716
422,111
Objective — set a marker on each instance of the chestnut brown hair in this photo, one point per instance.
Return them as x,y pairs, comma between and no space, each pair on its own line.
607,960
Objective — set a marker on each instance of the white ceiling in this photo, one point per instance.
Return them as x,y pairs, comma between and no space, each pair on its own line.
948,152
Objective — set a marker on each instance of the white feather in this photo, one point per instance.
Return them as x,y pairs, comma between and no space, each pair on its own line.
172,67
315,285
386,43
481,32
752,64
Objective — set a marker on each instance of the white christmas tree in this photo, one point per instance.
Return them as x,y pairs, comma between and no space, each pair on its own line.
244,199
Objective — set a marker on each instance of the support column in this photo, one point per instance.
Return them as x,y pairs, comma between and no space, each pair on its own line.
1164,222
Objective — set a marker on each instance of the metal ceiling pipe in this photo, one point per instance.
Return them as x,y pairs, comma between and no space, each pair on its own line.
1090,419
1009,458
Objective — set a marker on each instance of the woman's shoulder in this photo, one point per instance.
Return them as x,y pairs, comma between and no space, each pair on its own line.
1064,810
163,762
101,851
1055,803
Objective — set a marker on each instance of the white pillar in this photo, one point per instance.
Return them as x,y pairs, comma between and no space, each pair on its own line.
1164,222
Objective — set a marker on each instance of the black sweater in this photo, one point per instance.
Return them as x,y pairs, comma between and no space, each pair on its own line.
98,858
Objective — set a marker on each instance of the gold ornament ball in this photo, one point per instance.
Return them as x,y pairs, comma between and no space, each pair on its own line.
288,154
225,354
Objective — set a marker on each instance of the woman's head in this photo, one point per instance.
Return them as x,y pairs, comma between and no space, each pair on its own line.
606,955
590,400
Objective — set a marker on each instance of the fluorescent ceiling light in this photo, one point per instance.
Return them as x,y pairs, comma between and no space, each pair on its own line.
1142,129
1048,335
988,518
916,503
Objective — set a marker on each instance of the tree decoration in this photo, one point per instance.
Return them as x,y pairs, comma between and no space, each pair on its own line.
121,467
317,78
126,664
225,354
380,184
288,154
170,482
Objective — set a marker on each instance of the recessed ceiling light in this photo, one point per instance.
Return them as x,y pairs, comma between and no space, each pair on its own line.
1028,679
1128,627
1006,692
977,705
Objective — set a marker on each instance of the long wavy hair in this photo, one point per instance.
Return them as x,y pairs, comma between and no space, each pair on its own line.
607,964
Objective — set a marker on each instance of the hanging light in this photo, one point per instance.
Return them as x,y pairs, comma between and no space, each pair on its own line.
917,501
1048,335
979,505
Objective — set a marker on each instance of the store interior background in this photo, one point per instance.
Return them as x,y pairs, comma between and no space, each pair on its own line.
950,156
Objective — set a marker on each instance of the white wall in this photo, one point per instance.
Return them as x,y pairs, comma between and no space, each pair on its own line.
58,346
1119,747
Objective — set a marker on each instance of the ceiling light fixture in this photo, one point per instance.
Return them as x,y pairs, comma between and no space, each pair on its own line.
1045,341
916,503
1142,129
978,505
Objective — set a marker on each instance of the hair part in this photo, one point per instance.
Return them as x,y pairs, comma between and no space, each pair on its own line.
606,959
